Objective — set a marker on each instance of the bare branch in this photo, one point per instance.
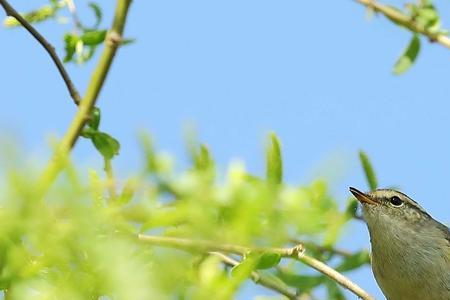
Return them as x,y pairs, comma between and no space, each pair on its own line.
10,11
296,252
406,21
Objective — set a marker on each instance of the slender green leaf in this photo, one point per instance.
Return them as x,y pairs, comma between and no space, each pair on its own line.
303,282
202,158
93,38
354,261
97,12
274,163
128,41
334,291
408,56
268,260
128,192
245,267
368,170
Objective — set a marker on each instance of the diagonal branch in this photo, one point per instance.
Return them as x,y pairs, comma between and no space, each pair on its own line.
406,21
258,279
10,11
112,43
296,252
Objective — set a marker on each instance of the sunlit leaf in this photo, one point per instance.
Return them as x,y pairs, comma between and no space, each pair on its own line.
408,56
274,163
93,38
354,261
302,282
268,260
97,12
369,171
106,144
334,291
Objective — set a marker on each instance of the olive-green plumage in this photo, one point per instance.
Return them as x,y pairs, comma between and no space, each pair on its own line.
410,250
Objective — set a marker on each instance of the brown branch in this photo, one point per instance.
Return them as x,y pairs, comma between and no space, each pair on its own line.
258,279
10,11
406,21
296,252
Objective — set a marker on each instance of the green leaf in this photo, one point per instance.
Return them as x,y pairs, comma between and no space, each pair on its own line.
70,44
149,152
268,260
202,159
274,163
94,118
303,282
354,261
408,57
128,192
334,291
127,41
245,267
93,38
106,144
97,12
368,171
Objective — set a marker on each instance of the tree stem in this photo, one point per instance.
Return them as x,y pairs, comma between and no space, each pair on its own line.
406,21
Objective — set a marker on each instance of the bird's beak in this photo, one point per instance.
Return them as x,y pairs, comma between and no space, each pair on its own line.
362,197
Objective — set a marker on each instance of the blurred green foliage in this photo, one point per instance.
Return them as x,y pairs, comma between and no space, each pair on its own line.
78,243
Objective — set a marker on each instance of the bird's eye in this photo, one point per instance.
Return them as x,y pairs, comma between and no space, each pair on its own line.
396,201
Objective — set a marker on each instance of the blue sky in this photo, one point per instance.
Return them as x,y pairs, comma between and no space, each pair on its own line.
318,73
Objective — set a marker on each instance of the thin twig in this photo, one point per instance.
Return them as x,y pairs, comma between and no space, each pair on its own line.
406,21
296,252
112,43
258,279
10,11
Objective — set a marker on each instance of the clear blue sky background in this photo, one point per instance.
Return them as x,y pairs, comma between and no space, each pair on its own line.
318,73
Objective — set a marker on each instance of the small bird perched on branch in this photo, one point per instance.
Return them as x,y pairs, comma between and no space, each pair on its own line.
410,250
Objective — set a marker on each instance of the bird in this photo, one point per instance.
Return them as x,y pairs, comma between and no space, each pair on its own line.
410,251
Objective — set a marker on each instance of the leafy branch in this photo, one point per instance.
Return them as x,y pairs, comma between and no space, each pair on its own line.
419,18
407,21
296,252
113,41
